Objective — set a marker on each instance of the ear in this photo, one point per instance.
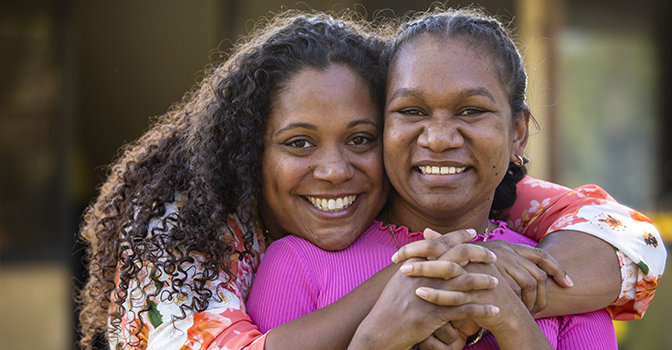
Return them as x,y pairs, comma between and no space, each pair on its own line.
521,134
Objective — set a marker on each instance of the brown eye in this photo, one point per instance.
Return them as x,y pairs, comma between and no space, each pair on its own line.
300,144
359,140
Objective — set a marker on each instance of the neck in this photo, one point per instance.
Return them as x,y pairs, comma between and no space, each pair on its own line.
401,214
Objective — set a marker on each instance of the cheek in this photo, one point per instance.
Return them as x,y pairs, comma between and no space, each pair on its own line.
396,139
496,150
279,174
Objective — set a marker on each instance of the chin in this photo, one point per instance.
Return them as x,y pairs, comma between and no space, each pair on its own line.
335,245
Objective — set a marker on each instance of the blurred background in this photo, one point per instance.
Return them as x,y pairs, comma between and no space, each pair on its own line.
80,78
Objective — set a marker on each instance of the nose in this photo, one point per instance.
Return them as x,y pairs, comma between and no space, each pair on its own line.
334,167
440,134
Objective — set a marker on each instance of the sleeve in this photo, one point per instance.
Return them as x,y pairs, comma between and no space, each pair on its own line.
543,207
166,325
284,288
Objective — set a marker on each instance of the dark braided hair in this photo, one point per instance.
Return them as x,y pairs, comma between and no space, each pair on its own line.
487,33
206,153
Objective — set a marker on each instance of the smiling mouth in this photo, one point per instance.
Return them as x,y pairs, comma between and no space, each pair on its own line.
331,204
441,170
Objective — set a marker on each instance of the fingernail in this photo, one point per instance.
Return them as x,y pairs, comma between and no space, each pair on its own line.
494,309
406,269
421,293
471,231
494,256
569,281
495,280
395,256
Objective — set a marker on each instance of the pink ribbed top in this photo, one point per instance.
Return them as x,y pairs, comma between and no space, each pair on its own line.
296,278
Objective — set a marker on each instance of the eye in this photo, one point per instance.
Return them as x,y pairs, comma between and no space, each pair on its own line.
301,144
412,112
359,140
471,112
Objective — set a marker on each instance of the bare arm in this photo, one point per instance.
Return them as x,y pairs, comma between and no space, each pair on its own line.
593,266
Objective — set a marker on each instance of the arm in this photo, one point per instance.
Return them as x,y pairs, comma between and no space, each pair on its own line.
594,268
284,287
543,208
332,326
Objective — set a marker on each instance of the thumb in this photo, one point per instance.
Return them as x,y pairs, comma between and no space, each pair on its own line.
430,234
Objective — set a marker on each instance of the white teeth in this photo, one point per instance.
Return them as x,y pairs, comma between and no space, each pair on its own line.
444,170
332,204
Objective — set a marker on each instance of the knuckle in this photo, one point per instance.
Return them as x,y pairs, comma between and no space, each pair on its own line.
540,254
530,283
516,289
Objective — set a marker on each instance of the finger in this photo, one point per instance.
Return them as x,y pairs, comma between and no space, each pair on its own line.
546,262
464,282
467,311
430,234
542,298
442,297
467,327
447,334
432,343
463,254
527,276
432,269
434,248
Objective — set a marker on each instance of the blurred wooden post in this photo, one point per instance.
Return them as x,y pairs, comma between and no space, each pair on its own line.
538,25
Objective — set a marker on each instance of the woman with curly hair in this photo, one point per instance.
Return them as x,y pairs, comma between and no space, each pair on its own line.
175,236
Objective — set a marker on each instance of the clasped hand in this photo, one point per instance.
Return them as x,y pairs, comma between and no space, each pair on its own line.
525,269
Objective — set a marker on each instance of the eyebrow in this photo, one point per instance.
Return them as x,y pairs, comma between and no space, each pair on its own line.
409,92
297,126
405,92
354,123
309,126
479,91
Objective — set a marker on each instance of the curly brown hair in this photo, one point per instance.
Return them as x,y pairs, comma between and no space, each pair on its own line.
205,151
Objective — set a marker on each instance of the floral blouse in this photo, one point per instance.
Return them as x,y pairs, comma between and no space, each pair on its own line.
541,208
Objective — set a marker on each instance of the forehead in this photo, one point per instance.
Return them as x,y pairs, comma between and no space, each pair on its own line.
337,91
436,62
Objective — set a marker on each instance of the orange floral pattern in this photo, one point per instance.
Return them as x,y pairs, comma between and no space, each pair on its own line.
225,325
590,209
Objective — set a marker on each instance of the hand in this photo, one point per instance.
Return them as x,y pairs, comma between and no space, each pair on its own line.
526,270
434,245
398,301
512,326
